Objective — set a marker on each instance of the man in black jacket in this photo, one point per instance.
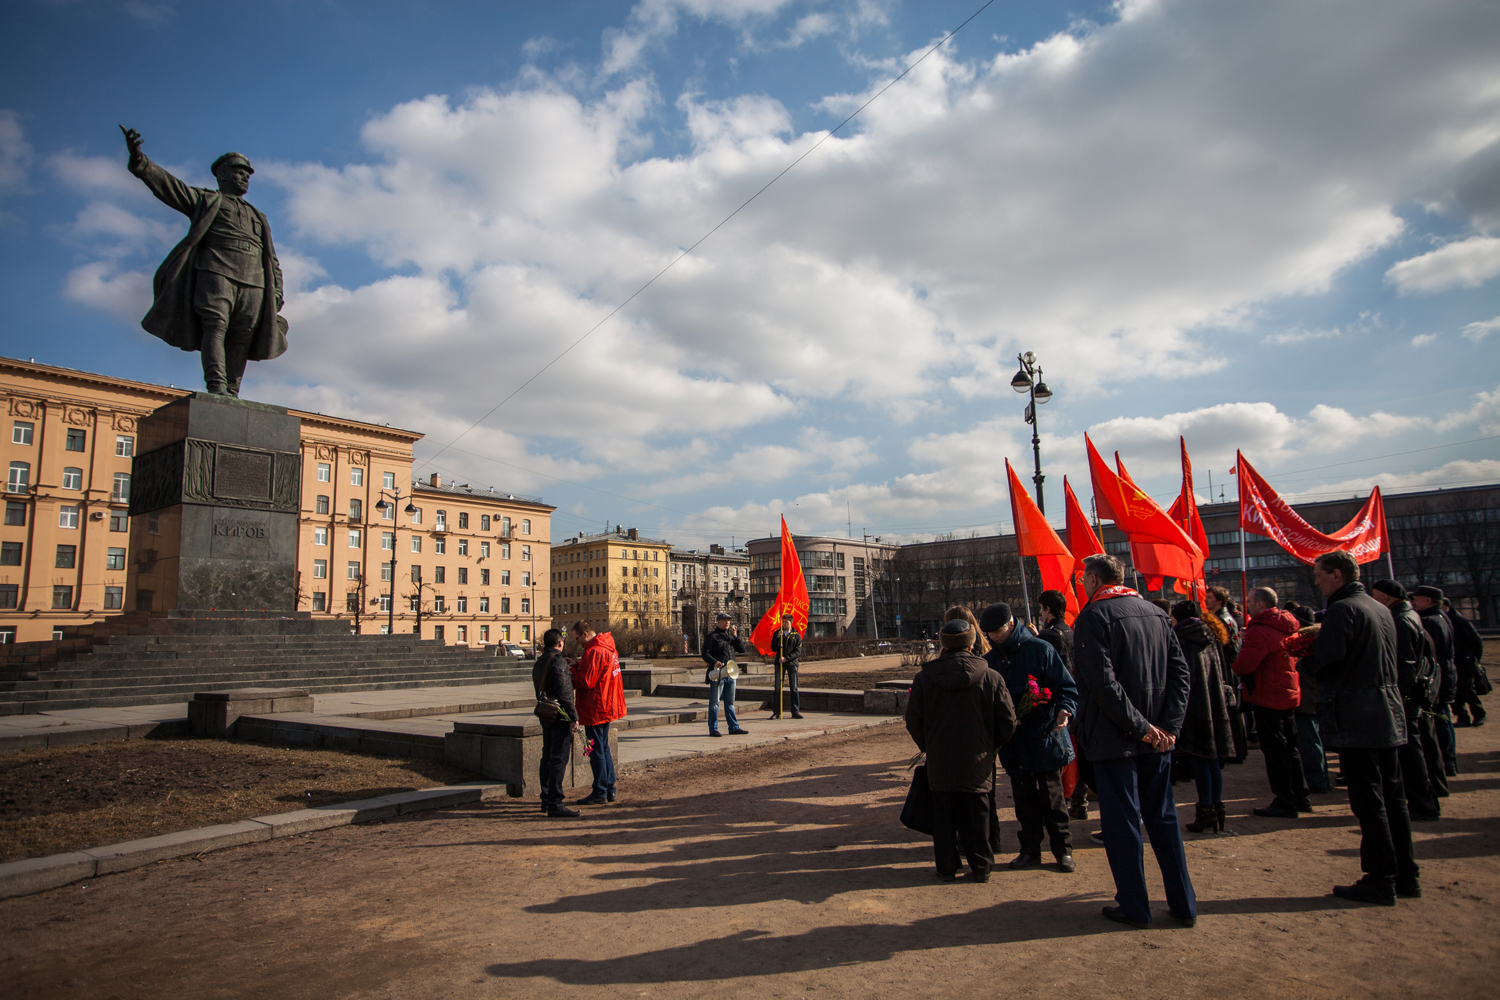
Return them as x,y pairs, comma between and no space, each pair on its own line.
1360,710
1132,696
551,679
959,714
719,647
1468,649
1054,628
787,644
1416,676
1428,602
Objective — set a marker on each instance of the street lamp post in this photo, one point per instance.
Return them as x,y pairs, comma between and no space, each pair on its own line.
1029,379
534,576
382,506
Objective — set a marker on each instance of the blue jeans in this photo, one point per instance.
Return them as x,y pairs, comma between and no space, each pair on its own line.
600,759
1133,790
721,689
1310,749
1210,780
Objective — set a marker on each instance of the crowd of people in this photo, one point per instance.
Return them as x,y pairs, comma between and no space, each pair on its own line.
1379,679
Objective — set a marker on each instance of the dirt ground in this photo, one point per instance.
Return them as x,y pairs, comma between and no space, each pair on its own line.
776,872
53,801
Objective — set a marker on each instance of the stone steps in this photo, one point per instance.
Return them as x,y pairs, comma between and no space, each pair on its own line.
187,667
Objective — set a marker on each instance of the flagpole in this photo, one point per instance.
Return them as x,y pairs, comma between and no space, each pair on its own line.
1240,502
1025,594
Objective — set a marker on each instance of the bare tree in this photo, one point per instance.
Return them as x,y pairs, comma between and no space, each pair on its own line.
1475,531
1421,541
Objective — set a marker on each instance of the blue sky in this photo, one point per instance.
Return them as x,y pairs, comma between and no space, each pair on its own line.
1267,226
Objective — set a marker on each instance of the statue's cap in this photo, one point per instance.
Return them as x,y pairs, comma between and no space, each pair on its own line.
231,159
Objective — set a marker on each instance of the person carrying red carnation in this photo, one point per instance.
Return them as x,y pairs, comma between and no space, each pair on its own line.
1273,690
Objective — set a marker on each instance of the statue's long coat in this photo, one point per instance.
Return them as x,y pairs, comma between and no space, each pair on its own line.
172,317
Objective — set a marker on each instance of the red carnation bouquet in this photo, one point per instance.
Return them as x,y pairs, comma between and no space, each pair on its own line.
1035,696
1300,643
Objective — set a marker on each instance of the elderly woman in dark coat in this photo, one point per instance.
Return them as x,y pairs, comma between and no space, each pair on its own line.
1205,736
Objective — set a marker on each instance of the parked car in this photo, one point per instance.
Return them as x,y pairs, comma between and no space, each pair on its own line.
513,650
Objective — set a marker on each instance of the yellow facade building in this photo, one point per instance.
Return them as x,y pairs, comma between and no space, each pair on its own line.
64,543
615,580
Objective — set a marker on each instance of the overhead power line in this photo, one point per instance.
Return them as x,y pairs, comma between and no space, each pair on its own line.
675,260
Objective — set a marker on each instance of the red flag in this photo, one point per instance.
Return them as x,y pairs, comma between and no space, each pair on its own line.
1159,547
1035,537
791,597
1263,512
1081,540
1185,512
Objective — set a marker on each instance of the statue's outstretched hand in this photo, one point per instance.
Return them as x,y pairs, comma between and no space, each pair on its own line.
133,142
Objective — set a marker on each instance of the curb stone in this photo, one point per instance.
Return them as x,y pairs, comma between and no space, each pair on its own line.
20,878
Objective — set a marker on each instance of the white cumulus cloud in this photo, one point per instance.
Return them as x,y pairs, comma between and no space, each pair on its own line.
1465,264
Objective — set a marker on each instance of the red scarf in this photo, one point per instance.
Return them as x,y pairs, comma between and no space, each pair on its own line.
1110,590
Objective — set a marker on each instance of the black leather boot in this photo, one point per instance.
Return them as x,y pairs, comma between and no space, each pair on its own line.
1204,821
1220,815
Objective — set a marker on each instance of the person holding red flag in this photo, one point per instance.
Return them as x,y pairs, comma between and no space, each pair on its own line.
787,615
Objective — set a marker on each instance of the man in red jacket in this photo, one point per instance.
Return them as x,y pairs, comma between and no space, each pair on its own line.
600,692
1272,689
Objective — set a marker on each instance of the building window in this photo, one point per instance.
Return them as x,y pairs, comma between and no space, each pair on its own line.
415,601
389,513
77,440
504,577
114,558
504,634
440,546
505,550
463,574
72,479
320,569
119,520
505,526
484,578
526,553
15,513
124,446
484,633
439,574
120,491
526,526
525,605
320,536
463,546
440,521
67,517
484,550
416,574
416,543
20,432
525,633
320,601
20,477
10,596
461,605
385,609
356,476
114,598
351,603
10,553
388,480
325,472
416,515
320,506
463,632
437,604
355,537
484,605
62,597
385,572
525,579
388,541
505,605
67,556
484,522
356,510
463,519
352,570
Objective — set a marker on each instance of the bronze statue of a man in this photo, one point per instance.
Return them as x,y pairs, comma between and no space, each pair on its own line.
219,290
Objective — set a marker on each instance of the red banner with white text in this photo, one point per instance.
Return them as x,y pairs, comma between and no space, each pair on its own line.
1263,512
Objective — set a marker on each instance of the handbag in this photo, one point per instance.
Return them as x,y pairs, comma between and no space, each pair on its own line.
1482,683
916,814
547,709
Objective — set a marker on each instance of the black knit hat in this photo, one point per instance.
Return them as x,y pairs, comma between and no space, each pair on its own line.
995,617
1303,614
1435,593
1391,588
956,635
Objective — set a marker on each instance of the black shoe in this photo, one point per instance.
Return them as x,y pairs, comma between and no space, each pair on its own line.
1461,723
1065,863
1363,892
714,732
978,878
1276,812
1426,817
1408,888
611,795
1117,914
1097,836
1451,772
1078,812
945,877
796,715
591,800
1341,781
738,732
1304,805
563,812
777,716
1185,921
1025,861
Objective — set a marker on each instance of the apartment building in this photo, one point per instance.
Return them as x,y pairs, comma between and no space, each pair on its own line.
615,580
706,582
843,581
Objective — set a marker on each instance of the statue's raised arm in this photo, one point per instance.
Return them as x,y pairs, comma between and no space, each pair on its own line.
219,290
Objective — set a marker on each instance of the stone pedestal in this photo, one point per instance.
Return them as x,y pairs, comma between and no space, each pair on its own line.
215,495
214,713
512,753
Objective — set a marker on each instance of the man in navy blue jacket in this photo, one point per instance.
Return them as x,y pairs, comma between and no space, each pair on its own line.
1035,756
1133,694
